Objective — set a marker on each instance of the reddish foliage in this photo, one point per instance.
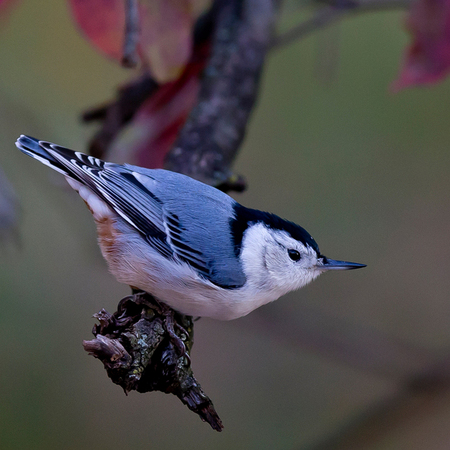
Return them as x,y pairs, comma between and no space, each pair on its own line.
103,23
165,41
156,125
427,60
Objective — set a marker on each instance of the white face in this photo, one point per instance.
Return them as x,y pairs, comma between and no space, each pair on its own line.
275,261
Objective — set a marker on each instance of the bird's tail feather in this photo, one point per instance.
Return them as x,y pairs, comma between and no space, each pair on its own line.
72,164
76,165
34,148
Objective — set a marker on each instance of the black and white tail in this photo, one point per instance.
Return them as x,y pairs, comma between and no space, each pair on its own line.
32,147
69,163
102,185
81,171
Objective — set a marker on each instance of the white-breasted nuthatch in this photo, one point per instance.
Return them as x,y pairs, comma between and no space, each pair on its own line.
187,243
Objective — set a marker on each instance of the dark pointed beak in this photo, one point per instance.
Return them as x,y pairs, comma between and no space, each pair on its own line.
332,264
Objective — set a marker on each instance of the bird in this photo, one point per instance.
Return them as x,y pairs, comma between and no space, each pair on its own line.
188,244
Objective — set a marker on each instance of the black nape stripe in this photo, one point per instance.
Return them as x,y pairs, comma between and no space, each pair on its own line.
244,217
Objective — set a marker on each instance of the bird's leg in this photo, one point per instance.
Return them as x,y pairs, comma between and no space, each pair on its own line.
169,324
176,340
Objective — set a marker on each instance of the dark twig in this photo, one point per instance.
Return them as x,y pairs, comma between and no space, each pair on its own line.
328,15
118,113
131,40
145,346
405,410
362,348
215,128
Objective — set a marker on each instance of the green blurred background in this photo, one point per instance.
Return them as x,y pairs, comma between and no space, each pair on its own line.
365,171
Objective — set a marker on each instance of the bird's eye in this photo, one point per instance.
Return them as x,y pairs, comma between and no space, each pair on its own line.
293,254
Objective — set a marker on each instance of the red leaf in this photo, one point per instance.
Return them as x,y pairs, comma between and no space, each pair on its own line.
166,36
103,24
165,41
427,60
154,129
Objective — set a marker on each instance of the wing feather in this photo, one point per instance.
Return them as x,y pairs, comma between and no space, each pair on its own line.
124,197
135,203
183,250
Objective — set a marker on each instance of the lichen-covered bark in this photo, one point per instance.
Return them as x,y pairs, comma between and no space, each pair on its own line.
145,346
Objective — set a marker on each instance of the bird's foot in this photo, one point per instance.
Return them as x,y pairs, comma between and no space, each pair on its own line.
170,324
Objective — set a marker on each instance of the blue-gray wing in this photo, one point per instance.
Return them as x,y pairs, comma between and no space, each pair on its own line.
181,218
196,219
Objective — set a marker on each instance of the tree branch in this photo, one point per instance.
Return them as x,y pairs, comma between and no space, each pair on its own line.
392,420
216,126
328,15
360,347
131,40
118,113
145,347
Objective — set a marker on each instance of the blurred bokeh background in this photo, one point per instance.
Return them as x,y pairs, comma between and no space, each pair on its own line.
365,171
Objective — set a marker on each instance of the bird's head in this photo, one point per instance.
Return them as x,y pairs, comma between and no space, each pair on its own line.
281,256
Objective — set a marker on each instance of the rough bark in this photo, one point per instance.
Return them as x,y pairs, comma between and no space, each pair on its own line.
210,139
